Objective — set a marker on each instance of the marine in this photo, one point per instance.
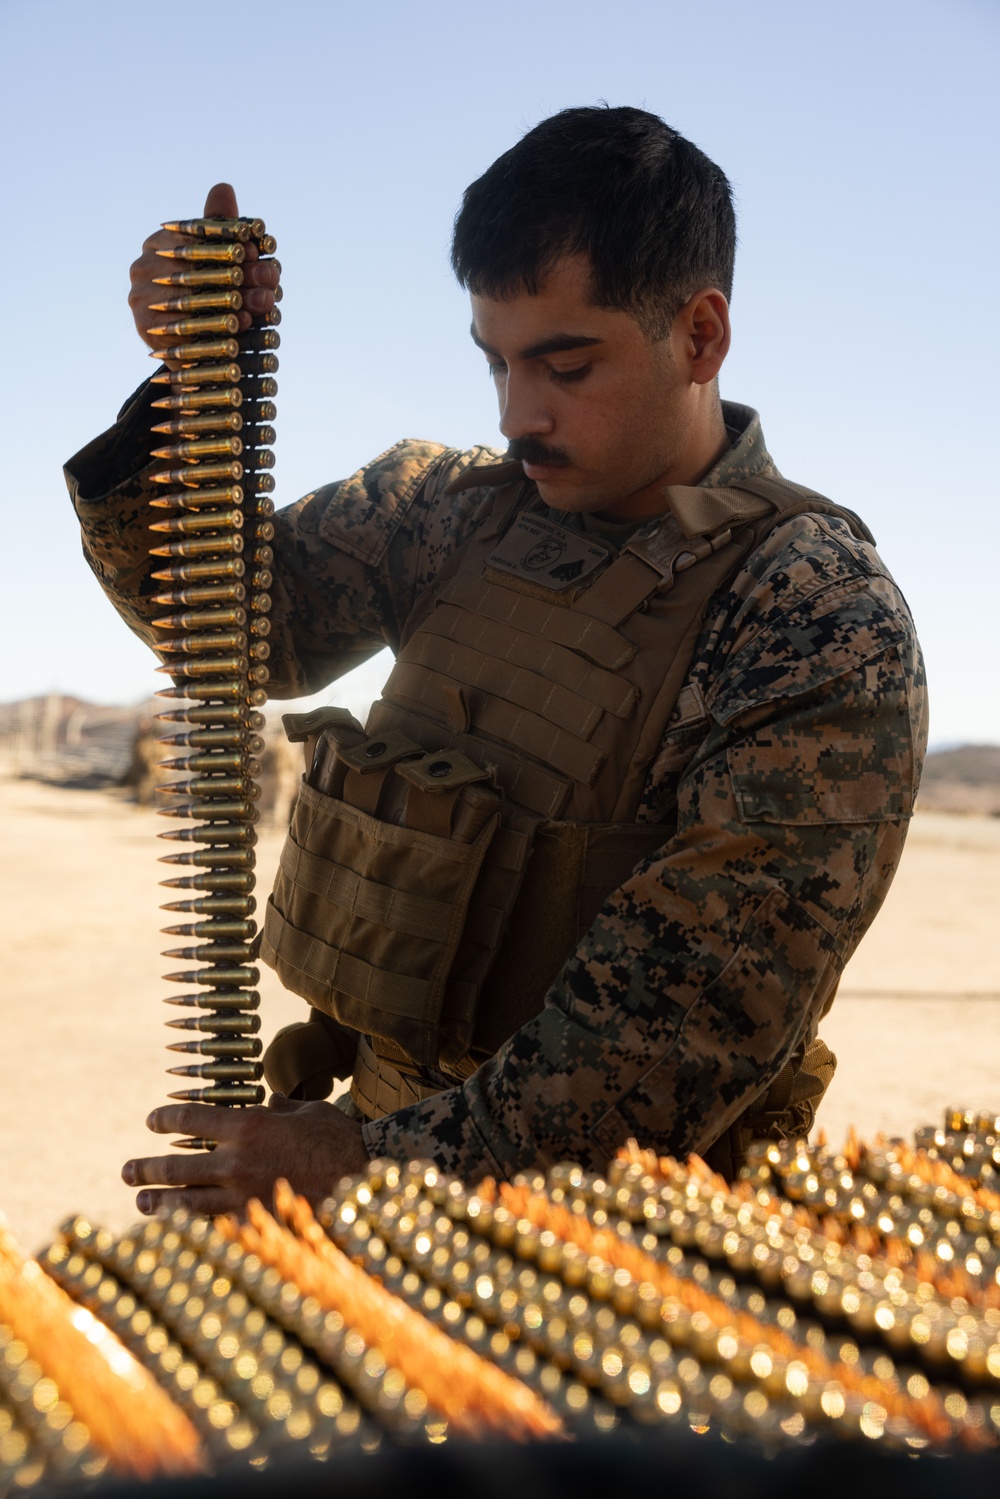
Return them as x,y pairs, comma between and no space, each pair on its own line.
735,848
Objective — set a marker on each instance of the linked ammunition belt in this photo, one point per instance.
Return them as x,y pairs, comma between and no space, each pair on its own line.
854,1293
214,469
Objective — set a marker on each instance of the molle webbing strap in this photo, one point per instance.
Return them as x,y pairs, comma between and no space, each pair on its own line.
516,725
417,915
553,663
502,678
594,640
356,980
378,1088
529,785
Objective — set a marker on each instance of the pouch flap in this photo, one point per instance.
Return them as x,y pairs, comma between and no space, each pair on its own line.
442,772
340,721
380,753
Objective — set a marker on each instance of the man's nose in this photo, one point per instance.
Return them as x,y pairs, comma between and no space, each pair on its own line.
523,410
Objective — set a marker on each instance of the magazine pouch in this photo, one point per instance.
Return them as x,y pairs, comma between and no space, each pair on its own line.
385,846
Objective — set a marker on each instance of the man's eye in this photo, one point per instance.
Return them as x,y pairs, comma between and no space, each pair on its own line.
497,369
569,377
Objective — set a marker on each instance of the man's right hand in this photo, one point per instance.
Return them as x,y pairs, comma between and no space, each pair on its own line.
260,278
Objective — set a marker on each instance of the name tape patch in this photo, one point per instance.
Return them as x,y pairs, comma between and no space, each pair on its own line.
548,554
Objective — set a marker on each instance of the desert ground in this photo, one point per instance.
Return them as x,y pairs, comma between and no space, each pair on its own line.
916,1027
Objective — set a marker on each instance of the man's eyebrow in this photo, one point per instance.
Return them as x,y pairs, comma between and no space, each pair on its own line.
559,343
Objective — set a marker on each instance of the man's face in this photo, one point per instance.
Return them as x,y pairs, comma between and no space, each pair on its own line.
597,412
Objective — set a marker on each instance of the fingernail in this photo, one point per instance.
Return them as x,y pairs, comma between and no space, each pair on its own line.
144,1202
128,1173
151,1120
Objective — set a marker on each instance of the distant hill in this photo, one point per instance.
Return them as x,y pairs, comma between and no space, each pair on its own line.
966,779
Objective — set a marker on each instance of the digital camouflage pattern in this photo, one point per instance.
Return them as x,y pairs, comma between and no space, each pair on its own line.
789,771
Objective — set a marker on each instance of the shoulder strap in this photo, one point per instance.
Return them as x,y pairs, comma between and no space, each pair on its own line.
701,511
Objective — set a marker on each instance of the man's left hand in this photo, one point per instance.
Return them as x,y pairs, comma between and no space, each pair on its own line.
311,1144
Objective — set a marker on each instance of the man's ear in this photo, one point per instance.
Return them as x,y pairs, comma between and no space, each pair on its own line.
703,333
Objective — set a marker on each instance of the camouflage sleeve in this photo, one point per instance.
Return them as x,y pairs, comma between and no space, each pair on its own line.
350,558
792,786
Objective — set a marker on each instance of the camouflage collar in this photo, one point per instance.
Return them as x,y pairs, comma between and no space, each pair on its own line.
746,458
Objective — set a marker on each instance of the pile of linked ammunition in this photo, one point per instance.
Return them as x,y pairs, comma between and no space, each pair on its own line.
852,1293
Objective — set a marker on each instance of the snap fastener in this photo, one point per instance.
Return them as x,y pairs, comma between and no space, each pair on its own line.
439,768
372,751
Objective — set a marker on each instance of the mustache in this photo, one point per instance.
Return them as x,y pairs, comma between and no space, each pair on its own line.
530,450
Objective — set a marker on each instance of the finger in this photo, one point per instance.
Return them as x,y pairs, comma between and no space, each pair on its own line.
174,1170
258,299
221,202
207,1202
202,1119
261,273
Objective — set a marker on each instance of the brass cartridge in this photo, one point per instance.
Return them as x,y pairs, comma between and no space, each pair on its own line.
231,275
211,952
197,327
218,1025
254,363
233,811
219,713
193,572
231,666
222,785
217,880
209,593
237,1046
191,426
207,374
232,762
201,546
227,640
209,447
198,499
235,740
210,905
197,619
228,834
221,1071
236,1004
219,228
208,301
231,1093
220,977
241,930
224,254
200,400
260,411
220,348
195,522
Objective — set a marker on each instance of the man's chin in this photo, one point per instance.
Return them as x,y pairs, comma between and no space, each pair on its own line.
558,488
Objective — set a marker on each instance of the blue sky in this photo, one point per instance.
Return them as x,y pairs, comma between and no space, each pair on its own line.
861,140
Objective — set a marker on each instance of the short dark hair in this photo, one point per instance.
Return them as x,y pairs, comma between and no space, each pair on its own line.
652,213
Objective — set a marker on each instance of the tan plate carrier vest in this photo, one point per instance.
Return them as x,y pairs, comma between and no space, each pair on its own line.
442,864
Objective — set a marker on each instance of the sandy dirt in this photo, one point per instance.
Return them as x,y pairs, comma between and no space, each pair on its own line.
917,1026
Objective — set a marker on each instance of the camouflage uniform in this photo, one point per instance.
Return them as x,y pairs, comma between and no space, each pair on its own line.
788,771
